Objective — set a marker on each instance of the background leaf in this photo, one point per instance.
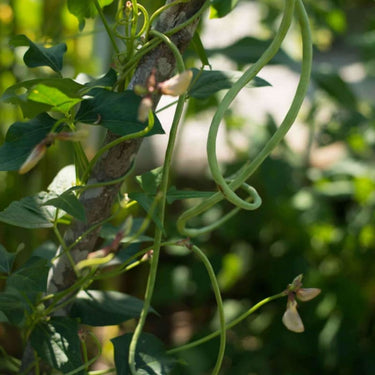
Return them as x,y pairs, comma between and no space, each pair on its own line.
57,342
21,138
208,82
116,111
150,357
38,55
6,260
103,308
248,50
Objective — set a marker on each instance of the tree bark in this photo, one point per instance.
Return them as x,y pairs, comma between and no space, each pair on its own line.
117,161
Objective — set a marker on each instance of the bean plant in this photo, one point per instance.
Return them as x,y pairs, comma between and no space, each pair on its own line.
50,298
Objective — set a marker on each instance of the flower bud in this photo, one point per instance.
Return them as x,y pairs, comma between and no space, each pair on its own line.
145,106
291,318
77,136
306,294
32,160
177,85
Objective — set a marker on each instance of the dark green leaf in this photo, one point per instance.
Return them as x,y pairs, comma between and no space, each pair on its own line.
6,260
21,138
108,80
68,202
115,111
12,307
54,98
208,82
85,9
335,87
46,250
29,212
150,356
248,50
220,8
30,279
103,308
57,342
38,55
150,180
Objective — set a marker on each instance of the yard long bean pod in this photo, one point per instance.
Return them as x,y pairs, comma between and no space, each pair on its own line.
227,190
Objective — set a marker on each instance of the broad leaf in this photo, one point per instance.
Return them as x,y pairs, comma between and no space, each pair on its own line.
220,8
57,342
116,111
21,138
335,87
46,250
30,213
150,356
38,55
85,9
103,308
53,97
208,82
69,203
248,50
6,260
18,94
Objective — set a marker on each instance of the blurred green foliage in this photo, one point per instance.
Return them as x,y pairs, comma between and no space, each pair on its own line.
317,218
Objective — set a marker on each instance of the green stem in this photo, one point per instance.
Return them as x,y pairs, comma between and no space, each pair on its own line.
227,326
220,307
162,205
105,23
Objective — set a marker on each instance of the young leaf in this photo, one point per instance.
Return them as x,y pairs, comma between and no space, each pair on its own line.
220,8
53,97
335,87
38,55
116,111
30,213
69,203
103,308
208,82
150,180
150,356
18,94
21,138
85,9
6,260
57,342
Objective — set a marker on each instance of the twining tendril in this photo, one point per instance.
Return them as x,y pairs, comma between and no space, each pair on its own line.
227,190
